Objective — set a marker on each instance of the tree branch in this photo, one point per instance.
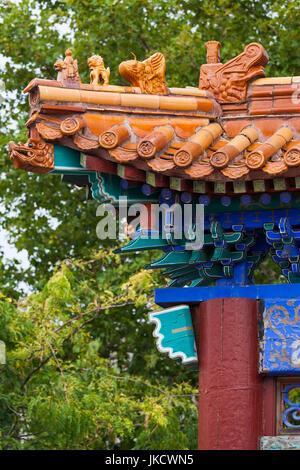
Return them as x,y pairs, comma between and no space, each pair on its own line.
73,332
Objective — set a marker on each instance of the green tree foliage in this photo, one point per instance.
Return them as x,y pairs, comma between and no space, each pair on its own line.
82,372
82,368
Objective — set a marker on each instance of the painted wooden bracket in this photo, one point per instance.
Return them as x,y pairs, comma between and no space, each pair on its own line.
285,247
175,334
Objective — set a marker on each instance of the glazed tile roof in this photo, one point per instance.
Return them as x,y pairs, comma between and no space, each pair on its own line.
239,126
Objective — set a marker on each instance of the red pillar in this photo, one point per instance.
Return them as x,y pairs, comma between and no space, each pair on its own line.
230,387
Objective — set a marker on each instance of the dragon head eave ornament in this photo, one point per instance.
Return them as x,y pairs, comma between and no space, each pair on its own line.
36,156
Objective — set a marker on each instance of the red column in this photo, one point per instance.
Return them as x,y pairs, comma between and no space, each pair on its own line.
230,387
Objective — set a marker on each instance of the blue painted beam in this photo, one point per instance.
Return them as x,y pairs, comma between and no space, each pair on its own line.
177,295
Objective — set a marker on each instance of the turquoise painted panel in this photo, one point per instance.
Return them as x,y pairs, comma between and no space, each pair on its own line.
175,334
280,337
65,157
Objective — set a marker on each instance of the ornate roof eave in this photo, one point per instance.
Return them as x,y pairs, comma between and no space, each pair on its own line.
183,136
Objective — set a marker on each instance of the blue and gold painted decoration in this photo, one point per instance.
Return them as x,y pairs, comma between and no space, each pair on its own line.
174,333
280,337
284,239
291,401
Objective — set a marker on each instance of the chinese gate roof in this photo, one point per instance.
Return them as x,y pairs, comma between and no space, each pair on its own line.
238,126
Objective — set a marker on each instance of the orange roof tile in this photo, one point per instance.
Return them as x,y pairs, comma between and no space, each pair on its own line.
236,127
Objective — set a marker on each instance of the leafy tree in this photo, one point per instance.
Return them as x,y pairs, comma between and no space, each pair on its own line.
82,370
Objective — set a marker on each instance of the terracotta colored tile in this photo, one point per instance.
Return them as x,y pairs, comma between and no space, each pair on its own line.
98,123
166,156
268,126
219,144
185,129
260,107
257,158
95,97
155,141
205,105
189,152
177,145
129,145
184,110
60,109
258,91
234,108
106,88
253,146
232,128
160,165
188,91
114,136
141,127
285,105
283,90
74,95
290,144
178,104
295,123
272,81
170,151
39,81
59,94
